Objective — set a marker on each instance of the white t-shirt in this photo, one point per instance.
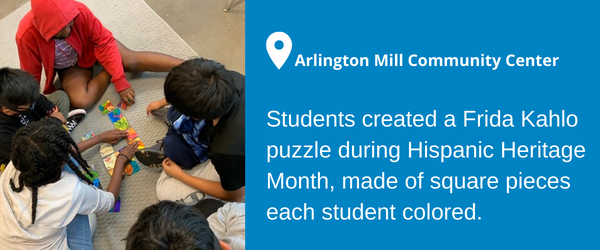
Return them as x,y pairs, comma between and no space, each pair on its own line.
57,205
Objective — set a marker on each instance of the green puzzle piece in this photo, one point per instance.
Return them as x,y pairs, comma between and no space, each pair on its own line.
93,177
106,107
121,124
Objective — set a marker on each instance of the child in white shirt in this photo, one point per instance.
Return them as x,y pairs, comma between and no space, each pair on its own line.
38,200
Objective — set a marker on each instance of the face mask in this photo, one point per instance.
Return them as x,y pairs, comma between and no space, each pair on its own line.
15,109
26,112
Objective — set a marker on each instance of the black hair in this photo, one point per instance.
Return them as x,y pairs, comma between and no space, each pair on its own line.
201,89
17,87
40,149
168,226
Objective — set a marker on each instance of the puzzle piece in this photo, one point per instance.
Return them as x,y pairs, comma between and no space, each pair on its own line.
117,207
140,146
121,124
88,136
102,106
131,134
106,150
134,165
106,107
93,176
122,104
109,163
115,115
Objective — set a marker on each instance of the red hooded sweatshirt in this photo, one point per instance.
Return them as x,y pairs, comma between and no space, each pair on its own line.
92,41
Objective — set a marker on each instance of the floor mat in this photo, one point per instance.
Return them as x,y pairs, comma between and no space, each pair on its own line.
138,27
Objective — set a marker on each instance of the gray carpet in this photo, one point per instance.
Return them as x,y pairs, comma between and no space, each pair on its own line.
139,28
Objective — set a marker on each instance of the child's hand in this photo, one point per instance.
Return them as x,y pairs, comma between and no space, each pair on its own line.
128,95
154,106
126,155
130,149
112,136
172,169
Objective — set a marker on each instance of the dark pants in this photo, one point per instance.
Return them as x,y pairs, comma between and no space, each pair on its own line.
175,146
208,206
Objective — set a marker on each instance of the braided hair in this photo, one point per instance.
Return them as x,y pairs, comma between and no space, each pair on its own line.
40,149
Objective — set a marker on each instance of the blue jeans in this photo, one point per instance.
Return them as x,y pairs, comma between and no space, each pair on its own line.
79,234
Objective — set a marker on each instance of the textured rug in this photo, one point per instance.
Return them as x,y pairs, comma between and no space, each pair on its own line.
138,27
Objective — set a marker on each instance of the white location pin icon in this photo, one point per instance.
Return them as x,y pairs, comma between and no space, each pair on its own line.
279,55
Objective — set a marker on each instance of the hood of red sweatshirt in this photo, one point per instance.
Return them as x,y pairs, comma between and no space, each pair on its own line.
51,16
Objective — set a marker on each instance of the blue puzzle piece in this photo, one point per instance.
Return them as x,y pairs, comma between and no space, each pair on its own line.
115,115
135,166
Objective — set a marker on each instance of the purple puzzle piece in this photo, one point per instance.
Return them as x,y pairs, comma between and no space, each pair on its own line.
117,207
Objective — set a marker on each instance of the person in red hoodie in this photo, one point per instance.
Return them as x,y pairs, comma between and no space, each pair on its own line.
66,38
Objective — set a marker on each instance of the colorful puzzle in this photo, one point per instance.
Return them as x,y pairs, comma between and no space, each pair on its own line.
107,152
109,156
